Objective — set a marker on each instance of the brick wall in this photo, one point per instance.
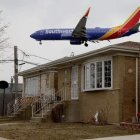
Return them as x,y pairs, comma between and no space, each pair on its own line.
139,84
128,88
93,101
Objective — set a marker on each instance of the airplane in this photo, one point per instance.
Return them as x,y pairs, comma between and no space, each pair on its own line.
80,34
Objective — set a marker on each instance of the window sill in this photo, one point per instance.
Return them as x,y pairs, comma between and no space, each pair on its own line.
97,89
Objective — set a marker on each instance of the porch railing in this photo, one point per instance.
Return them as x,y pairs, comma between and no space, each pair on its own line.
46,102
19,103
39,104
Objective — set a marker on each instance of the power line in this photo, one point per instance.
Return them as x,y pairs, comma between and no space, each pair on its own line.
28,55
8,61
32,63
25,54
41,57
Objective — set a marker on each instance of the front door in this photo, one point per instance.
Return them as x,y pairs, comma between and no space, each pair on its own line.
74,83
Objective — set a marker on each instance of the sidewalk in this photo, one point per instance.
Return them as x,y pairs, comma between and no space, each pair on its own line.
3,138
128,137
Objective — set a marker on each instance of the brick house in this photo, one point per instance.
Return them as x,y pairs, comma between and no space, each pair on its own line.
104,79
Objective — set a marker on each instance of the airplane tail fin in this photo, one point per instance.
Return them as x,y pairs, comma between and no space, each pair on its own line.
133,19
132,23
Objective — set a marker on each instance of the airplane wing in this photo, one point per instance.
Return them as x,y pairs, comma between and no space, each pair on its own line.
80,29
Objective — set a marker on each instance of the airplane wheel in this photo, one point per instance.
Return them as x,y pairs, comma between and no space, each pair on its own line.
86,45
40,43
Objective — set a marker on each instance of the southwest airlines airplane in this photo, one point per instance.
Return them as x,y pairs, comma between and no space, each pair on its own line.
80,34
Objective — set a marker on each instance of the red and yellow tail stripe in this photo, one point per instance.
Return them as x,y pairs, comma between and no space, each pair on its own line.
120,30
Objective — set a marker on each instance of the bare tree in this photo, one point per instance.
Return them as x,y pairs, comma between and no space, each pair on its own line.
3,38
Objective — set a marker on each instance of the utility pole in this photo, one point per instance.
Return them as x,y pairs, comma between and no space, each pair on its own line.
16,70
11,87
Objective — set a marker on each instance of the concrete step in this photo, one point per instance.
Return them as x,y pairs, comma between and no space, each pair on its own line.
46,113
8,119
11,116
22,110
5,119
37,119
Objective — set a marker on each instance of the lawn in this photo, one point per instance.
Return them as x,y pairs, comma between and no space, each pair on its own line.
60,131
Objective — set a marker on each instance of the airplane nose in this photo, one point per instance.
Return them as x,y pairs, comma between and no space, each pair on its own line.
33,36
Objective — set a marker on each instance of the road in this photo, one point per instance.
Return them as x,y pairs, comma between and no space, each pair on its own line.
128,137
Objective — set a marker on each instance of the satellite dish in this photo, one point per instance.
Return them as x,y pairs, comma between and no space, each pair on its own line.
3,84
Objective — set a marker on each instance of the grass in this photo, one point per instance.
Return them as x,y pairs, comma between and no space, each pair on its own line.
60,131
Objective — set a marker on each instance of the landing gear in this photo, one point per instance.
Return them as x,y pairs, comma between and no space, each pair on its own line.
40,42
86,45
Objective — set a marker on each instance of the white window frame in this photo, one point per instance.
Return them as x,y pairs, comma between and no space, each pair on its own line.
103,75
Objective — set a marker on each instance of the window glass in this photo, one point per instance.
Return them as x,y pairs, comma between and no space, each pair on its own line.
87,76
92,75
99,74
31,86
107,73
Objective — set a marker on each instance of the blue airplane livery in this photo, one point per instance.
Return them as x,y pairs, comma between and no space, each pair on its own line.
80,34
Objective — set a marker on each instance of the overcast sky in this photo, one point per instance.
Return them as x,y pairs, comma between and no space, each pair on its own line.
26,16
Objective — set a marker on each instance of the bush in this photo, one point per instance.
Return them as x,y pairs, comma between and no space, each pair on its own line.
58,112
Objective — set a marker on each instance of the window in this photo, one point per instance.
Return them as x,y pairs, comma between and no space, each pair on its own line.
98,75
31,86
92,75
107,74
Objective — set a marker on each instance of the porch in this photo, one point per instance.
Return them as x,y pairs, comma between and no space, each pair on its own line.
38,107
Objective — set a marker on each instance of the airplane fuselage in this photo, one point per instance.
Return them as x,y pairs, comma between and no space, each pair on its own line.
66,34
80,34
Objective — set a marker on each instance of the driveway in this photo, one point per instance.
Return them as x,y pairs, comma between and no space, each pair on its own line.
128,137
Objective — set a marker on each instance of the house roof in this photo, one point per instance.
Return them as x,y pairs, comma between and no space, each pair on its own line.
129,47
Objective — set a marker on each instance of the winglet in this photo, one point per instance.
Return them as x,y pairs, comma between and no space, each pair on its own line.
87,12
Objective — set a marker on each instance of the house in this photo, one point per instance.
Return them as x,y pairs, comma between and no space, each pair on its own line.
105,80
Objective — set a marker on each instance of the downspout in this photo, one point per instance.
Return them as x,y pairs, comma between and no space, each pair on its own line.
137,87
